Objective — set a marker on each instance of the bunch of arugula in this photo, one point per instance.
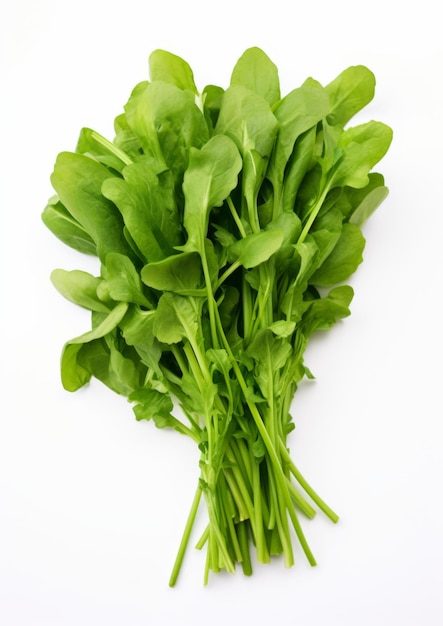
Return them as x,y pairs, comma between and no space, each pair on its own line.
225,223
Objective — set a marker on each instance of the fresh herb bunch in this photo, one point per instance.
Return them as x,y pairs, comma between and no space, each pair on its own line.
225,223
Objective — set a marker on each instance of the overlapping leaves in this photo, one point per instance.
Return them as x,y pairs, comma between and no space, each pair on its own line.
226,223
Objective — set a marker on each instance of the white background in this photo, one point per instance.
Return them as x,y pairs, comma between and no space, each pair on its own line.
92,503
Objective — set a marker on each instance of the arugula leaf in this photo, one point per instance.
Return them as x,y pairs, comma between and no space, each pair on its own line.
363,146
137,328
352,90
247,119
298,112
61,223
364,204
147,203
211,176
323,313
344,259
123,280
170,68
79,287
256,248
255,71
92,144
103,359
176,318
78,180
167,122
73,374
180,273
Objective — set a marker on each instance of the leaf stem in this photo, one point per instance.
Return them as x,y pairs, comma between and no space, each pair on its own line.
231,269
185,538
236,217
309,490
212,305
313,214
279,474
111,147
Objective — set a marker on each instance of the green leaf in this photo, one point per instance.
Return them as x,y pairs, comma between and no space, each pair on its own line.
92,144
220,359
79,287
325,232
247,119
73,374
109,323
257,247
302,266
352,90
61,223
255,70
289,223
350,198
124,375
299,163
282,328
138,331
167,122
212,99
270,354
229,309
179,273
323,313
105,362
172,69
152,404
147,203
78,180
344,259
197,397
123,280
211,176
368,205
176,318
296,113
363,146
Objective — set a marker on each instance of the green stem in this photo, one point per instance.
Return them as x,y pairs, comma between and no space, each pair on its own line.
229,512
313,214
306,486
304,506
242,457
236,217
203,539
183,429
281,521
239,479
246,305
237,496
243,539
212,305
231,269
264,316
111,147
258,529
185,537
217,542
279,474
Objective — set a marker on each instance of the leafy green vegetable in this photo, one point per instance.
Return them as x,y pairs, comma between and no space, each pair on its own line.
226,223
